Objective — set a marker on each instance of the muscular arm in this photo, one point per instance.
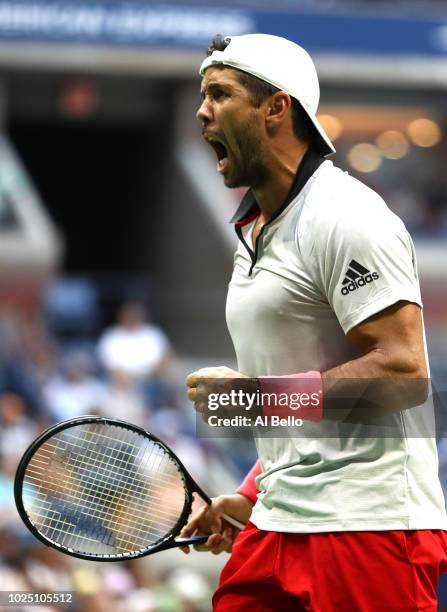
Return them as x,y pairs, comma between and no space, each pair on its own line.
392,346
391,373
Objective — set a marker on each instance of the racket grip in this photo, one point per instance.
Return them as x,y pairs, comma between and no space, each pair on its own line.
196,539
233,522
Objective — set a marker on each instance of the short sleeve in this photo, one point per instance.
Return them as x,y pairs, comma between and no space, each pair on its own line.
364,260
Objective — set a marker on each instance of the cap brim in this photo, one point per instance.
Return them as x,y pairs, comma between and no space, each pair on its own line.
326,147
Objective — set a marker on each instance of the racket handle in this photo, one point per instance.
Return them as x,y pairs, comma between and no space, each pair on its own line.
233,522
196,539
201,539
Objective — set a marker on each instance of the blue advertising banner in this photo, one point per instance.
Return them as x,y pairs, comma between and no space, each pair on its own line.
119,23
141,24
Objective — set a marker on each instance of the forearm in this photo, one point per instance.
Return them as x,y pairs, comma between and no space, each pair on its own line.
389,375
373,385
376,383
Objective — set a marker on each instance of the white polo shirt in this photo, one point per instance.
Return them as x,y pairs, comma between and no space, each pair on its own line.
332,256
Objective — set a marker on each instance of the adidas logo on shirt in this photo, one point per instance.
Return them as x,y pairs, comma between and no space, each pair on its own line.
357,276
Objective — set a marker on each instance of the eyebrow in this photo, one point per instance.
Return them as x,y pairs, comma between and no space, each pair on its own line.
212,86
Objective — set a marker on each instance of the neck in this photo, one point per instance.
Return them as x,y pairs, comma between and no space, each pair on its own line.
282,167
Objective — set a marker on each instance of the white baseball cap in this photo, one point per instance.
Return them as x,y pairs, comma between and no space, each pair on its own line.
281,63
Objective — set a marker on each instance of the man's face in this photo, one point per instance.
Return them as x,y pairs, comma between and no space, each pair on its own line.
233,127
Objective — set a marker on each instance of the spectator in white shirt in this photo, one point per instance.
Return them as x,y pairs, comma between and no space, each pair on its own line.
134,346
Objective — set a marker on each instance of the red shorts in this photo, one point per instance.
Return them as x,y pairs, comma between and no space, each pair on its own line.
348,571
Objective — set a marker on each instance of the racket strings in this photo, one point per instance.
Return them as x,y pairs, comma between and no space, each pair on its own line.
102,489
59,525
115,500
102,513
120,483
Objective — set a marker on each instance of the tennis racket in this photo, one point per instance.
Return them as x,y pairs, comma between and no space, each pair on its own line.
105,490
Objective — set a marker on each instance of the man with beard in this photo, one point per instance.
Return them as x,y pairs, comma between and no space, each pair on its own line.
325,298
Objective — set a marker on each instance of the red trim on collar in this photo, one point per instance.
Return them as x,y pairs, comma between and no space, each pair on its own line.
247,220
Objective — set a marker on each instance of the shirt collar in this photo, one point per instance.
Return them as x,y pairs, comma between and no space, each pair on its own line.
249,209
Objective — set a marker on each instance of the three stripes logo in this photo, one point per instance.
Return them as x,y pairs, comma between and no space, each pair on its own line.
357,276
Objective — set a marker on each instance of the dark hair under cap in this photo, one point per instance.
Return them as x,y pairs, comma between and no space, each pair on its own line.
259,90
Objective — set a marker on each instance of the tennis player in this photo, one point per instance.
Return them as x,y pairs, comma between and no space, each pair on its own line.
324,293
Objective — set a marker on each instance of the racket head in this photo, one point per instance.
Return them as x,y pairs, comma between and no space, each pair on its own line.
102,489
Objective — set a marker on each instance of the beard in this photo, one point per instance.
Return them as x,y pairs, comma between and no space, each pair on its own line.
246,167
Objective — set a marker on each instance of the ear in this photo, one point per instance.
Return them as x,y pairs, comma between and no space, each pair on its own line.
277,108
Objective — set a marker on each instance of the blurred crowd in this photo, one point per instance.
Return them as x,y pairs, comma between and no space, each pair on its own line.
130,371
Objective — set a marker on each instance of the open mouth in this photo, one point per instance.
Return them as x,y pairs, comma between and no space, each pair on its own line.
220,150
